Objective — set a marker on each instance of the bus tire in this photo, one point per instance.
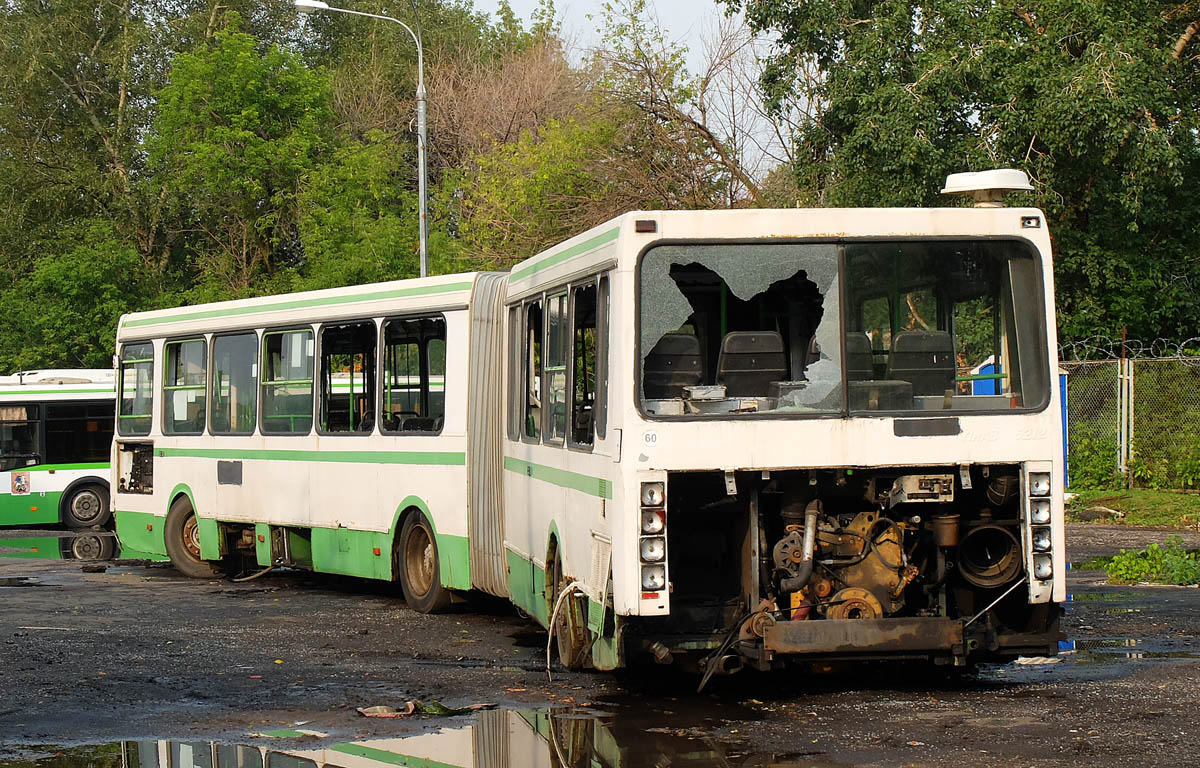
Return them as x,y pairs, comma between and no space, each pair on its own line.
182,539
86,506
93,547
420,571
570,626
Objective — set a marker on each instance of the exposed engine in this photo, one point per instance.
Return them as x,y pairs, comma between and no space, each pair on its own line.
820,545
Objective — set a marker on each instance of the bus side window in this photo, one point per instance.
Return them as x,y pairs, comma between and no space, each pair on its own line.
184,387
514,373
414,383
234,390
532,368
20,428
601,405
583,369
348,378
287,382
136,381
78,432
558,354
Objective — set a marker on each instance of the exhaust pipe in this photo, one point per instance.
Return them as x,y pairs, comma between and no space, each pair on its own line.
800,580
730,664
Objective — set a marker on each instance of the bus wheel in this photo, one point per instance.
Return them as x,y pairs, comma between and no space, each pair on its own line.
87,506
420,575
570,626
182,537
92,547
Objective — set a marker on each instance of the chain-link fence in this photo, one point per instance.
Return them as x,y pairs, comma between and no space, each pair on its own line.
1133,420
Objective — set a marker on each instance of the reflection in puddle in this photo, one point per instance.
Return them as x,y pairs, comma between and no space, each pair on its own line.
495,739
1116,650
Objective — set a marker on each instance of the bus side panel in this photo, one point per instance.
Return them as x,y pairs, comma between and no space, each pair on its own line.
140,532
38,507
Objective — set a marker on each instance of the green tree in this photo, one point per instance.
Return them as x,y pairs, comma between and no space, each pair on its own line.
1097,101
63,310
358,221
236,131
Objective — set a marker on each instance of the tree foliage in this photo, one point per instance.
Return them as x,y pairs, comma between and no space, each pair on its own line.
1097,101
236,131
161,152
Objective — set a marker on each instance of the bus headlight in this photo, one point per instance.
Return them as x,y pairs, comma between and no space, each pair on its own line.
654,577
1039,511
1039,483
653,494
652,521
1041,539
653,549
1043,567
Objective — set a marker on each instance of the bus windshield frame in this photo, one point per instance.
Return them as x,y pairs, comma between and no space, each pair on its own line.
913,326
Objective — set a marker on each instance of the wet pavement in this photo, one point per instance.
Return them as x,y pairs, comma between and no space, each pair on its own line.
135,666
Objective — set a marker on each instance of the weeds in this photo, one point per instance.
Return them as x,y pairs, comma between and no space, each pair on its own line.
1169,564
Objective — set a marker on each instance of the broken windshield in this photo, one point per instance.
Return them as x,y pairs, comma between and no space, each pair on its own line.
745,328
735,329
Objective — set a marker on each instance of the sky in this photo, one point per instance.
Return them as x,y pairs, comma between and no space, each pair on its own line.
686,21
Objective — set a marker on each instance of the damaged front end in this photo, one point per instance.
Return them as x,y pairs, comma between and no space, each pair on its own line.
764,568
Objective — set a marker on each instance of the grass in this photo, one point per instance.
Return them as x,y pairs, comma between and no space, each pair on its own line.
1169,509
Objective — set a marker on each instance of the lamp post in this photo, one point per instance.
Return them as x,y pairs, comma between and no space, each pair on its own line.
313,6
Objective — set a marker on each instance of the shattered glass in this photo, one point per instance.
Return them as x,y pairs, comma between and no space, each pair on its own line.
716,292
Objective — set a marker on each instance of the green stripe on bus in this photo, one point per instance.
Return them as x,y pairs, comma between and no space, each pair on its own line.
593,486
563,255
44,467
432,458
326,301
391,758
24,392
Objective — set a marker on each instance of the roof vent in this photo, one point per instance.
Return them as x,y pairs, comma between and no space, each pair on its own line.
987,187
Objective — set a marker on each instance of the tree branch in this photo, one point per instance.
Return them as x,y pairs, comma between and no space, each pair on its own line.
1184,39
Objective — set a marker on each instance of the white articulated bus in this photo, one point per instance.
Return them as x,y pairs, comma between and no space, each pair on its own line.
716,438
56,429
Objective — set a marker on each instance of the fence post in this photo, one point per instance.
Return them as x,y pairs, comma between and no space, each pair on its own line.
1125,418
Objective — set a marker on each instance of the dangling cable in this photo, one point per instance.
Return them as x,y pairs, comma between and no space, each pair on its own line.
572,587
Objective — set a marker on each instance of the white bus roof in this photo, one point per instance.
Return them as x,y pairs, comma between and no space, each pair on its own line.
58,384
439,292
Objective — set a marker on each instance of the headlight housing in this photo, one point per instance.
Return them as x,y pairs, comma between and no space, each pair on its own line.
653,549
1043,567
654,577
653,494
1039,511
1039,483
652,521
1041,539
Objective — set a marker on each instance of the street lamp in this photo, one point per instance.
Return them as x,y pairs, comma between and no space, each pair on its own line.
312,6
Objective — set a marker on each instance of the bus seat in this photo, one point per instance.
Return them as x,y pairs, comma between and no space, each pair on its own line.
860,364
673,364
750,361
923,358
419,424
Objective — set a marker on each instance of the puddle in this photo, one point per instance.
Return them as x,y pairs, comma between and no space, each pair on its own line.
492,738
1120,650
